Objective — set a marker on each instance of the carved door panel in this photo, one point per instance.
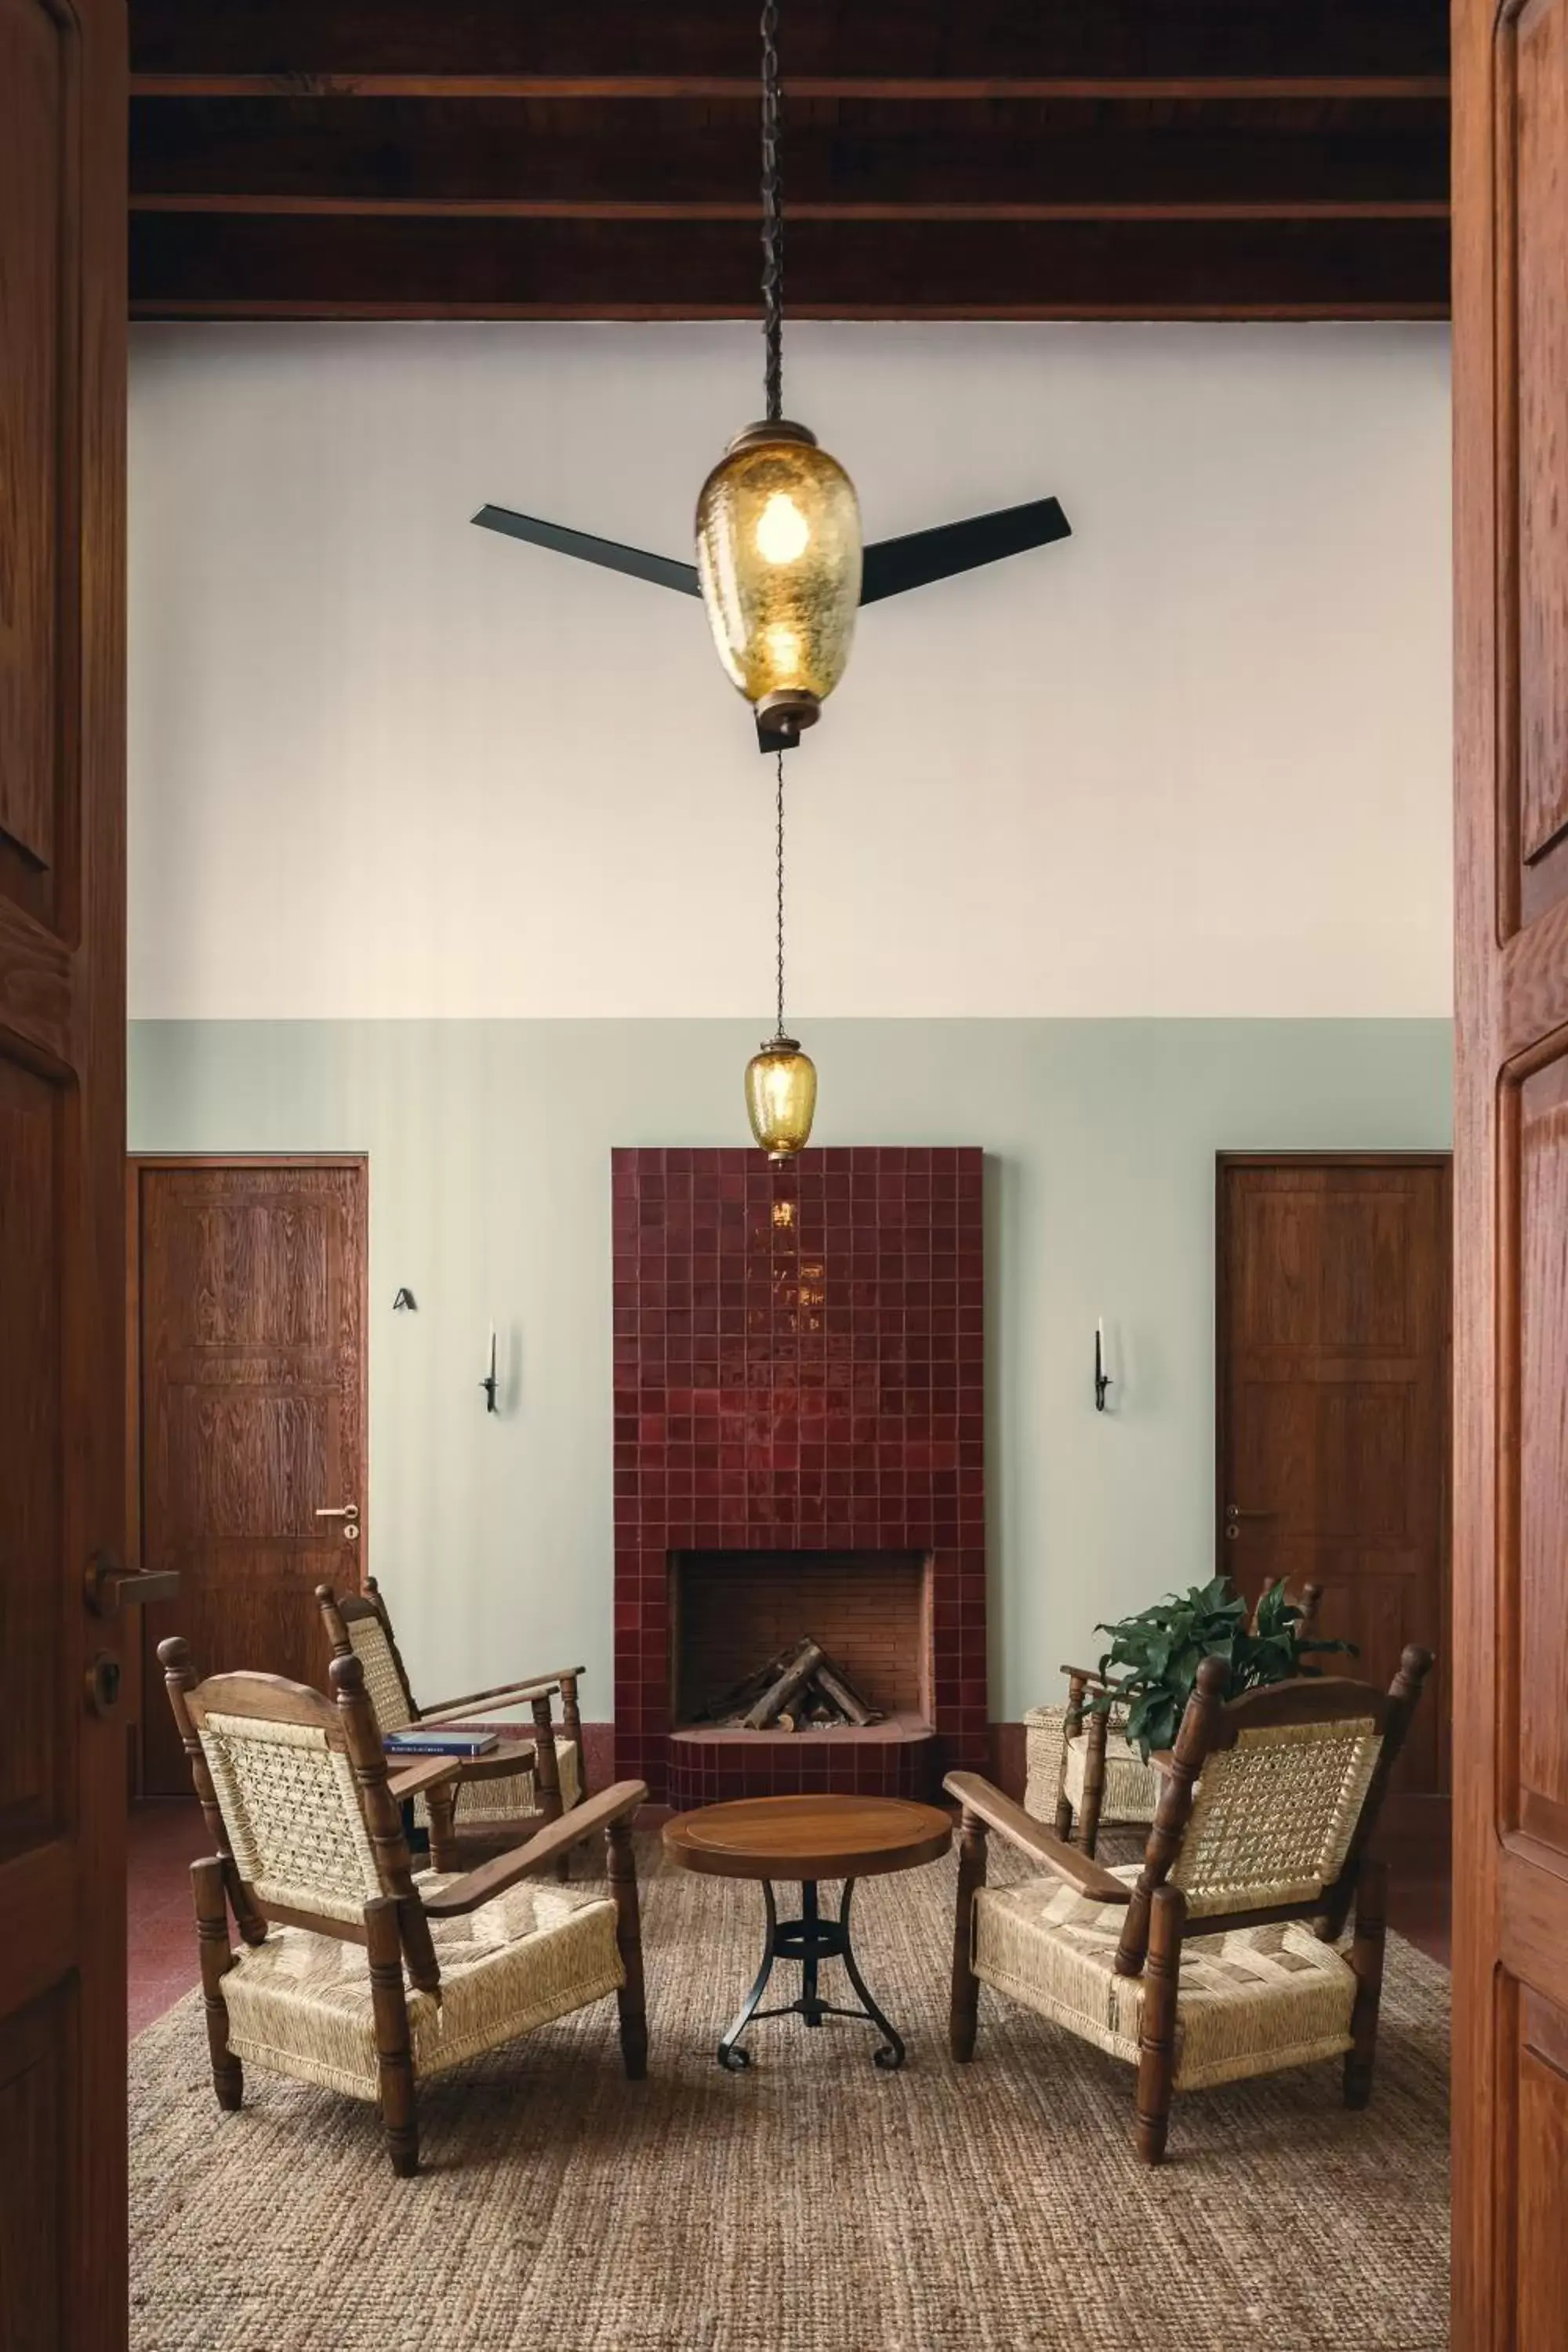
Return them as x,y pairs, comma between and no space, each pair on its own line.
62,1128
1510,1579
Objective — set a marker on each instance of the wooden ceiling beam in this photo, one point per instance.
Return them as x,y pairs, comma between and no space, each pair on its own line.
663,88
934,40
351,265
1059,161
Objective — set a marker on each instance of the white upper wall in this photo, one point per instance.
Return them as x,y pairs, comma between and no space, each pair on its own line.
1195,761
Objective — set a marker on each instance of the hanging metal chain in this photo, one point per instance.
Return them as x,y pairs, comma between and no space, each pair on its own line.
778,852
772,219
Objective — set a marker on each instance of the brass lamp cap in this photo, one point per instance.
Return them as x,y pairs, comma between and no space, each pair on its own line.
779,428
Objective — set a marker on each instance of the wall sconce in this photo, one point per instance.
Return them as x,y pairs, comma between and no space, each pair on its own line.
1102,1379
489,1383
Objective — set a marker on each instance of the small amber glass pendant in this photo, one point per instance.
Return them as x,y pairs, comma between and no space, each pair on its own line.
778,554
781,1097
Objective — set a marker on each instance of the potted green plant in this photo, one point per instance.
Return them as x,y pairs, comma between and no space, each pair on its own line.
1159,1651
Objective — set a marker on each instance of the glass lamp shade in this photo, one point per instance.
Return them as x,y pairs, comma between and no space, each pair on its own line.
781,1097
778,554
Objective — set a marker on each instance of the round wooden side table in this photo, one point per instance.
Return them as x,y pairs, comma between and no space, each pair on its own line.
806,1839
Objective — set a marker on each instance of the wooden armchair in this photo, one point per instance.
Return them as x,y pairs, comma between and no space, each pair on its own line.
1100,1779
352,1973
499,1798
1217,1958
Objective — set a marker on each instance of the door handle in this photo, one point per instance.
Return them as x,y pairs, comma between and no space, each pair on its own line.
109,1584
1234,1516
347,1512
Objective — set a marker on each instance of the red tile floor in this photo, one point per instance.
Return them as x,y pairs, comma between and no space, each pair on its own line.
166,1839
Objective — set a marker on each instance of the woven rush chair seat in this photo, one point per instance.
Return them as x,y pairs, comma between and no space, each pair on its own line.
1221,1954
1251,2001
1131,1789
301,2003
515,1799
351,1972
1057,1768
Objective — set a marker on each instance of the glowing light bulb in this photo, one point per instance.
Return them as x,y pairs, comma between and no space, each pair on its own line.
783,532
784,652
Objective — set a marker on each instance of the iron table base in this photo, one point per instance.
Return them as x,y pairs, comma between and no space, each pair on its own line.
810,1939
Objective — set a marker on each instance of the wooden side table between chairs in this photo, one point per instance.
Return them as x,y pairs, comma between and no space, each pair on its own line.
808,1839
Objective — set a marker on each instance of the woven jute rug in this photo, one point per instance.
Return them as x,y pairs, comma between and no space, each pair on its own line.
813,2202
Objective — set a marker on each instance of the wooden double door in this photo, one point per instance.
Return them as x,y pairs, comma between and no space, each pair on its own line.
1332,1385
248,1452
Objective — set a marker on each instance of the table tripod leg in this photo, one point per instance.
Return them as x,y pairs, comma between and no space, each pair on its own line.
810,2000
730,2055
891,2055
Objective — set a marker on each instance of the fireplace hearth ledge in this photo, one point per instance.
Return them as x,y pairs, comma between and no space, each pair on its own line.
900,1757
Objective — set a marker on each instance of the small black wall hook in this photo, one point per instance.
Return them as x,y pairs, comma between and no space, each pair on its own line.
1102,1379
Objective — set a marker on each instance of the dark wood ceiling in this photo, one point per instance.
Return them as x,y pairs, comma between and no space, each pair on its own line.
1013,159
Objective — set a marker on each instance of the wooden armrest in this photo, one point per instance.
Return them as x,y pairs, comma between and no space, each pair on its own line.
503,1763
1085,1675
428,1772
1032,1837
1162,1758
505,1694
492,1878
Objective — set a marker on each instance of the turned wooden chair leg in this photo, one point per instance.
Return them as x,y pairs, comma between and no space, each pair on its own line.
964,2013
547,1771
630,2000
393,2051
441,1810
1157,2036
216,1958
572,1724
1366,1959
1072,1723
1093,1779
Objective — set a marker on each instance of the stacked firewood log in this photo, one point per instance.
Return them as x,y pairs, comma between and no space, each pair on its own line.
800,1690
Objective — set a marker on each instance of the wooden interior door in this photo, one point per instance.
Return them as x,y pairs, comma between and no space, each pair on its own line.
62,1124
1511,1556
249,1283
1334,1394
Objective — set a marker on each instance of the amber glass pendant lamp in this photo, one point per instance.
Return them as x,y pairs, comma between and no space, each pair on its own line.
781,1079
778,523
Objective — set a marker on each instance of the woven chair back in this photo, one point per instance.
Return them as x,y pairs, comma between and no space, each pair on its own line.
384,1684
1273,1816
291,1810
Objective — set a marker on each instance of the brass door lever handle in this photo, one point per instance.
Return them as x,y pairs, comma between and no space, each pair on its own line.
109,1584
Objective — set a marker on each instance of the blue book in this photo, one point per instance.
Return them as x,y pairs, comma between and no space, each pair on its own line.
439,1742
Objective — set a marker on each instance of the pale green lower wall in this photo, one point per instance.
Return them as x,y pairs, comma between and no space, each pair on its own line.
488,1146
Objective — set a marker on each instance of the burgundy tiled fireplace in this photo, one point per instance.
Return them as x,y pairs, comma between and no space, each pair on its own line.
799,1448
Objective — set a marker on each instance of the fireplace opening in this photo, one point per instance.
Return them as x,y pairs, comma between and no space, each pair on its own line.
732,1614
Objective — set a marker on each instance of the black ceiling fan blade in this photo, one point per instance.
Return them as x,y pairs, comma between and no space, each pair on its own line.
662,570
892,565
